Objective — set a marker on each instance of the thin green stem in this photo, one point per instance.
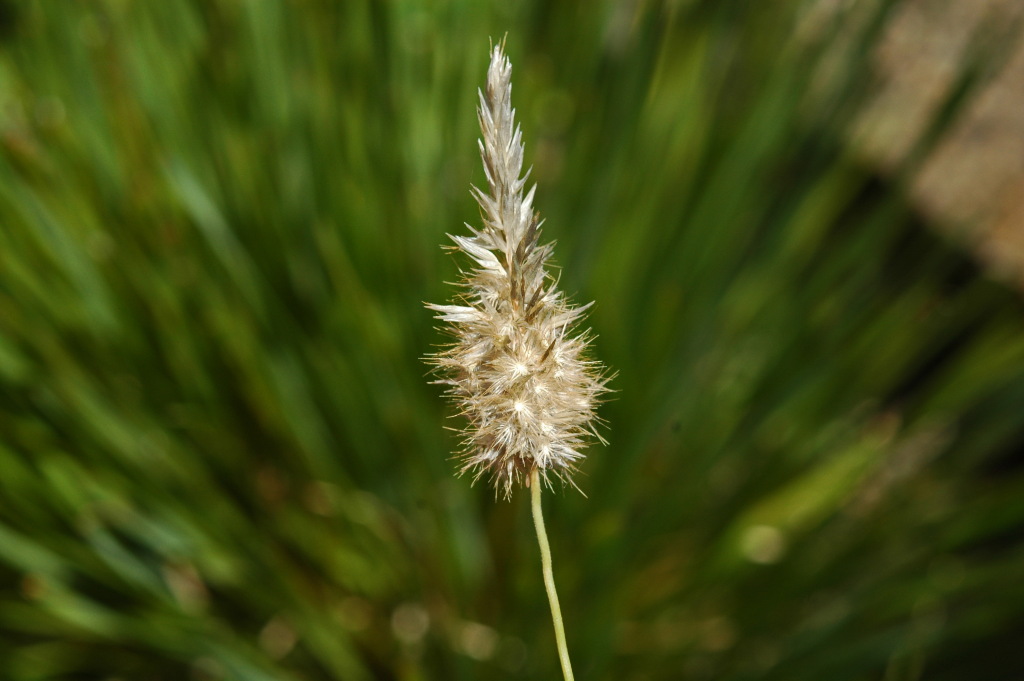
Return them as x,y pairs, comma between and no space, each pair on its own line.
549,577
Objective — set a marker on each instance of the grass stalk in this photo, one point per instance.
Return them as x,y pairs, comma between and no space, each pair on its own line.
549,577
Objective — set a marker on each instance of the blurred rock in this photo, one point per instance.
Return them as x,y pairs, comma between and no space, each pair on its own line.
972,184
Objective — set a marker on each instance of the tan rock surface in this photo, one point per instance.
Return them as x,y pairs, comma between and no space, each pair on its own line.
972,184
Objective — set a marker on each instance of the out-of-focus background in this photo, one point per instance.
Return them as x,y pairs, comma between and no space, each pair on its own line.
220,457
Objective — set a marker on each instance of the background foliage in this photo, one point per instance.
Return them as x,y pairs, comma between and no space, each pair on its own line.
219,457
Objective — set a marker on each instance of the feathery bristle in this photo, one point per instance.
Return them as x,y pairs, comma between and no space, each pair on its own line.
516,371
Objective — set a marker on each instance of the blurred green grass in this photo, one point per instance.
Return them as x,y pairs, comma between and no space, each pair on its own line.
220,457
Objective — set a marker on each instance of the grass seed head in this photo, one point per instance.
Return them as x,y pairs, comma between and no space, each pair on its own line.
517,369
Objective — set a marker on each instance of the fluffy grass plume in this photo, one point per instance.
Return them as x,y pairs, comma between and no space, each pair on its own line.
517,370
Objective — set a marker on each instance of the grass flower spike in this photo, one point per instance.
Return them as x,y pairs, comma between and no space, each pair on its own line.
519,375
